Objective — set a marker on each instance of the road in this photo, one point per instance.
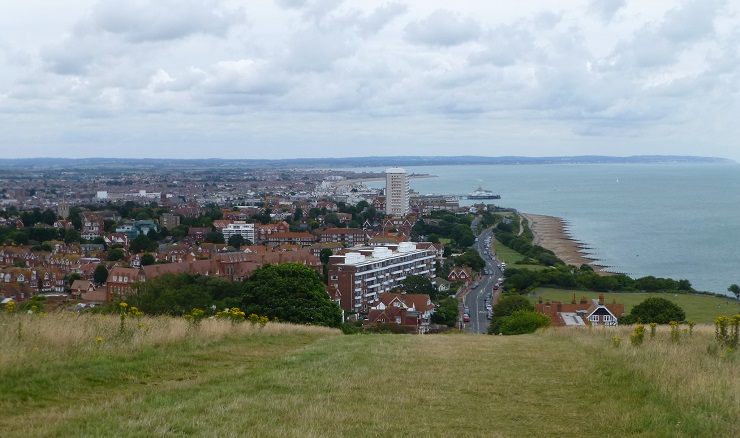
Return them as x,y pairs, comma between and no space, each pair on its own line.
475,299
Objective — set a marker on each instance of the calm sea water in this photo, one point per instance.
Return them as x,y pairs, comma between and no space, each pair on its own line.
669,220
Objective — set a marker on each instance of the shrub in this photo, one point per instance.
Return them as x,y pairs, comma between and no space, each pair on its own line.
523,322
654,309
638,336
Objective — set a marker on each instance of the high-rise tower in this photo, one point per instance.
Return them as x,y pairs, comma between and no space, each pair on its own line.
396,192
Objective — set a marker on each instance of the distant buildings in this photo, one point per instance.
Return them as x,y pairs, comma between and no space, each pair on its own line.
247,231
396,192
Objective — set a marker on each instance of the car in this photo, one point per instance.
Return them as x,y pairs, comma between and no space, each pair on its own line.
466,318
495,287
467,309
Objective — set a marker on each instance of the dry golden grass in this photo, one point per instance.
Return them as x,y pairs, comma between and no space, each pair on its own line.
28,338
298,381
692,371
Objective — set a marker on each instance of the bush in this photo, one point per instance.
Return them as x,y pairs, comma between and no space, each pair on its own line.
654,309
523,322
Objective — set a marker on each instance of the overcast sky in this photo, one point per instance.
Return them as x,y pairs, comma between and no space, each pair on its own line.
323,78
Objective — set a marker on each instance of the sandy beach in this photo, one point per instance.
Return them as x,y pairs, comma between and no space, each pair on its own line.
552,233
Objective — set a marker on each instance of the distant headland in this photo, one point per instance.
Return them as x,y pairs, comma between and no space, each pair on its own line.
375,161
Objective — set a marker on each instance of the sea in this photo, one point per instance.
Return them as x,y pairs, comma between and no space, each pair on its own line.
674,220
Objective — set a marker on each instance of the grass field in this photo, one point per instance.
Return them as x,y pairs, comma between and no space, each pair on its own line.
510,257
698,308
297,381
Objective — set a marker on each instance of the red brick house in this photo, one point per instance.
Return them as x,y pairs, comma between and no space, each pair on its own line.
303,239
347,236
458,273
410,310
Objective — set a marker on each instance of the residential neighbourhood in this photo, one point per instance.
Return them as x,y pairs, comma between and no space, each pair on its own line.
90,238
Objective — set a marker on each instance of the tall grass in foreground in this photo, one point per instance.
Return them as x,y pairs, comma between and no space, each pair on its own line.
687,366
32,338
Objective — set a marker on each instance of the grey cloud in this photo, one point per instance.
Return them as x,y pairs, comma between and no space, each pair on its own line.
691,21
143,20
505,46
317,50
380,17
292,4
442,28
606,9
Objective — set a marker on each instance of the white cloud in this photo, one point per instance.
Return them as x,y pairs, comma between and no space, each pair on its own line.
411,76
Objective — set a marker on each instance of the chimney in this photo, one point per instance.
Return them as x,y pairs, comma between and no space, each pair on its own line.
540,300
601,299
584,300
573,301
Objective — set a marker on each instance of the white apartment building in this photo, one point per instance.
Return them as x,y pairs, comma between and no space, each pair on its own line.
239,227
364,274
396,192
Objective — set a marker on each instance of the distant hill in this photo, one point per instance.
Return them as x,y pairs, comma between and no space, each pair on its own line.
344,162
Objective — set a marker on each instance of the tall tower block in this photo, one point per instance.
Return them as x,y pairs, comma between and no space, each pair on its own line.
396,192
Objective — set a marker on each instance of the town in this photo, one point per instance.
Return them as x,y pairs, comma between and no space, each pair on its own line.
82,238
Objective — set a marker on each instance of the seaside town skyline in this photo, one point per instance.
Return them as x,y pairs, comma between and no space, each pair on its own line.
298,78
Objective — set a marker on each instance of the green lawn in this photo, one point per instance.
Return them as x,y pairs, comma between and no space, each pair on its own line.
511,257
291,382
698,308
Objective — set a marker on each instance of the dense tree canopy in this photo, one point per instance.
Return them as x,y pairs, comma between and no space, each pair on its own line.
446,313
100,275
522,322
291,292
654,309
417,284
471,258
507,305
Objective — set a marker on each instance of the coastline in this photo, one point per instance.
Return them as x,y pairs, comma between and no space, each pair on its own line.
552,233
349,182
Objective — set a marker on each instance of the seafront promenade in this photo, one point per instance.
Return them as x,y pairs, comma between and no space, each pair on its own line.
552,233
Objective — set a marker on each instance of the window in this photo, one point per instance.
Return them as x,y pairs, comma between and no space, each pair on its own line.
594,318
607,318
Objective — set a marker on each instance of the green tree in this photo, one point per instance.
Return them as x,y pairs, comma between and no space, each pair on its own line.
48,217
291,292
735,289
72,236
332,219
654,309
147,259
214,237
446,313
523,322
142,243
100,275
471,258
70,278
325,254
237,240
507,305
418,284
170,294
115,255
298,214
152,234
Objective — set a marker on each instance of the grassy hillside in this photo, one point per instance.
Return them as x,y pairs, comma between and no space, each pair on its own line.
165,379
698,308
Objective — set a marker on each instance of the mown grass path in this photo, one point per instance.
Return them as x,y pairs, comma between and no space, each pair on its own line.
304,385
